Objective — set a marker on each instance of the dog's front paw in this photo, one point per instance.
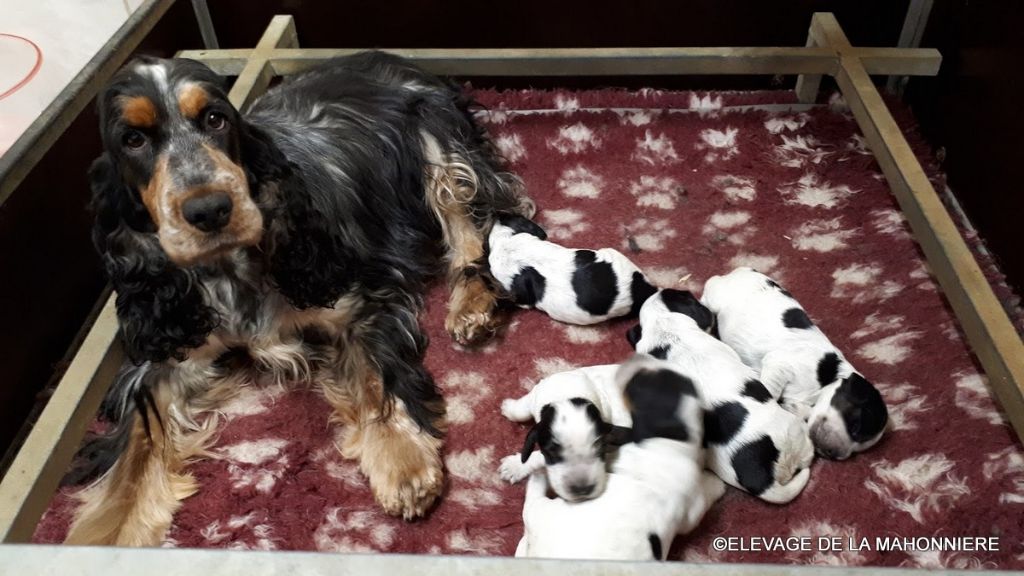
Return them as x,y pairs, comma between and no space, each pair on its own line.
411,496
473,315
404,469
512,469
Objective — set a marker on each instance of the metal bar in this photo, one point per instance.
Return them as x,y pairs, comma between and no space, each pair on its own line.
35,473
255,77
72,560
209,33
910,37
558,61
989,331
808,85
598,61
905,61
26,152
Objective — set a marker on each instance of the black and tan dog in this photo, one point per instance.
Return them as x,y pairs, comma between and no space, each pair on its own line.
292,241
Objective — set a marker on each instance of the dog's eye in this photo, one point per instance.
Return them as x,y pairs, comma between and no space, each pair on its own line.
134,139
215,121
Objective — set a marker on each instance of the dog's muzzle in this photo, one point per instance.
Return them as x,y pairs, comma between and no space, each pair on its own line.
827,442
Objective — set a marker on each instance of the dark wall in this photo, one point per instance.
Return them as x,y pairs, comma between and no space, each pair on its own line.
563,24
546,23
51,278
972,113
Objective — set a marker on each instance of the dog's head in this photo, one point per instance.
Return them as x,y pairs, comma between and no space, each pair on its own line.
668,302
509,225
737,286
663,402
850,416
575,441
175,150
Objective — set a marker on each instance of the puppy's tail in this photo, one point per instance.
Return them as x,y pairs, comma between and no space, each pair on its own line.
781,493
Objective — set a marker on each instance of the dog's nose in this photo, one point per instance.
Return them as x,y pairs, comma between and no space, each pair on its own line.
209,212
582,490
827,452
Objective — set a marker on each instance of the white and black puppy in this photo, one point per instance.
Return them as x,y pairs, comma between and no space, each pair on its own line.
580,417
572,286
657,487
800,366
753,443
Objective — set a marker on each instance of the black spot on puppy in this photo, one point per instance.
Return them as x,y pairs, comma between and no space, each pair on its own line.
521,225
655,545
633,335
660,352
796,318
639,290
654,396
862,407
753,464
756,390
722,422
528,287
594,283
828,369
684,302
775,285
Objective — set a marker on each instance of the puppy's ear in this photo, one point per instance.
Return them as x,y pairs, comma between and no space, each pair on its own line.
532,437
618,435
684,302
522,225
633,335
857,395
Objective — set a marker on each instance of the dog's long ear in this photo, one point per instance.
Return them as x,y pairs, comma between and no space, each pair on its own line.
633,335
160,308
684,302
532,437
308,260
522,225
618,435
262,160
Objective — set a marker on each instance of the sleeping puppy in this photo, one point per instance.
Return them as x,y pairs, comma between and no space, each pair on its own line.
803,370
572,286
572,411
753,443
657,487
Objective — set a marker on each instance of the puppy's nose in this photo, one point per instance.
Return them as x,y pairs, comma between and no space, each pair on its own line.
581,490
827,452
209,212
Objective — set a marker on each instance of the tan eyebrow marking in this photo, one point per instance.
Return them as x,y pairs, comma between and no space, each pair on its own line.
191,100
138,111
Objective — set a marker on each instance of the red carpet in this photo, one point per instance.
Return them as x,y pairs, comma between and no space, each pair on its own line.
689,190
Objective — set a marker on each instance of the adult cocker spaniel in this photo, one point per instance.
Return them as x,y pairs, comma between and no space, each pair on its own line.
290,242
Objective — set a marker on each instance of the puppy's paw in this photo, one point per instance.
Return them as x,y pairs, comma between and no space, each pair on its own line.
512,469
511,409
473,315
